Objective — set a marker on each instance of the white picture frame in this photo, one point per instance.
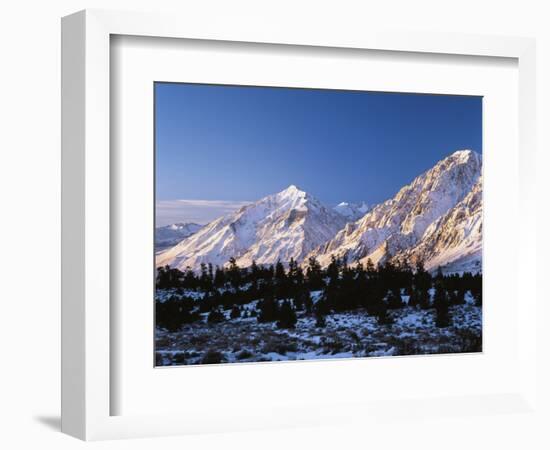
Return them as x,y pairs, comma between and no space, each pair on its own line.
87,326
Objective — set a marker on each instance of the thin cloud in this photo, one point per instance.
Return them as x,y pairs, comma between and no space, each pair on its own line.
198,211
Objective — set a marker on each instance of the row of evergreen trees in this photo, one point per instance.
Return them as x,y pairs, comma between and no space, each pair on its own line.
283,292
284,283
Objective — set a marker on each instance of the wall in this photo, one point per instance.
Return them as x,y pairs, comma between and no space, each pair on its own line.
30,187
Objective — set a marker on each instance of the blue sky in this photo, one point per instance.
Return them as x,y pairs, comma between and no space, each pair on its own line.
220,146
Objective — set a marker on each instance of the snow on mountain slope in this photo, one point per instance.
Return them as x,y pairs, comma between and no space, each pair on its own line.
279,227
400,223
170,235
454,241
352,211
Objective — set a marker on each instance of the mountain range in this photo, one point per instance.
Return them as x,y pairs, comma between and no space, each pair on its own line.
169,235
436,219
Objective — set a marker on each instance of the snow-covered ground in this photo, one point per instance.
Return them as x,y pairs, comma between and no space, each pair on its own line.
346,335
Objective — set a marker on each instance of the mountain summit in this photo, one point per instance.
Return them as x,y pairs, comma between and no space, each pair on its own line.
286,225
396,228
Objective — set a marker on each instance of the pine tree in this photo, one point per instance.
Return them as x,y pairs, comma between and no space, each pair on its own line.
322,307
205,280
269,310
382,314
314,276
287,316
190,281
301,299
320,321
441,304
477,289
254,272
333,295
394,299
414,299
211,272
292,269
281,280
456,297
308,303
219,277
424,299
422,279
280,275
169,278
234,273
333,269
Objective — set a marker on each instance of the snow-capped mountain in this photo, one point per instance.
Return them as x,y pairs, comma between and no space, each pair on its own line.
282,226
436,219
425,219
170,235
352,211
454,241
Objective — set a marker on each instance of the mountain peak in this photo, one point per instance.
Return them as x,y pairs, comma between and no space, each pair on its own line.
283,226
292,191
400,223
462,156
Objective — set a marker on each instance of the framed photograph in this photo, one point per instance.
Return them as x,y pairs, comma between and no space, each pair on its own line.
284,223
396,269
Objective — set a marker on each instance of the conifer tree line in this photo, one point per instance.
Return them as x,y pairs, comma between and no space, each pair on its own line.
284,291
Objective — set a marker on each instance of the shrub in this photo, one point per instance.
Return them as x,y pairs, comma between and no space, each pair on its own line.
175,312
215,316
405,347
235,312
354,336
472,341
334,346
178,358
280,347
244,354
212,357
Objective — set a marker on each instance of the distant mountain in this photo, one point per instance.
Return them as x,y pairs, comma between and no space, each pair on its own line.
170,235
289,224
352,211
436,218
